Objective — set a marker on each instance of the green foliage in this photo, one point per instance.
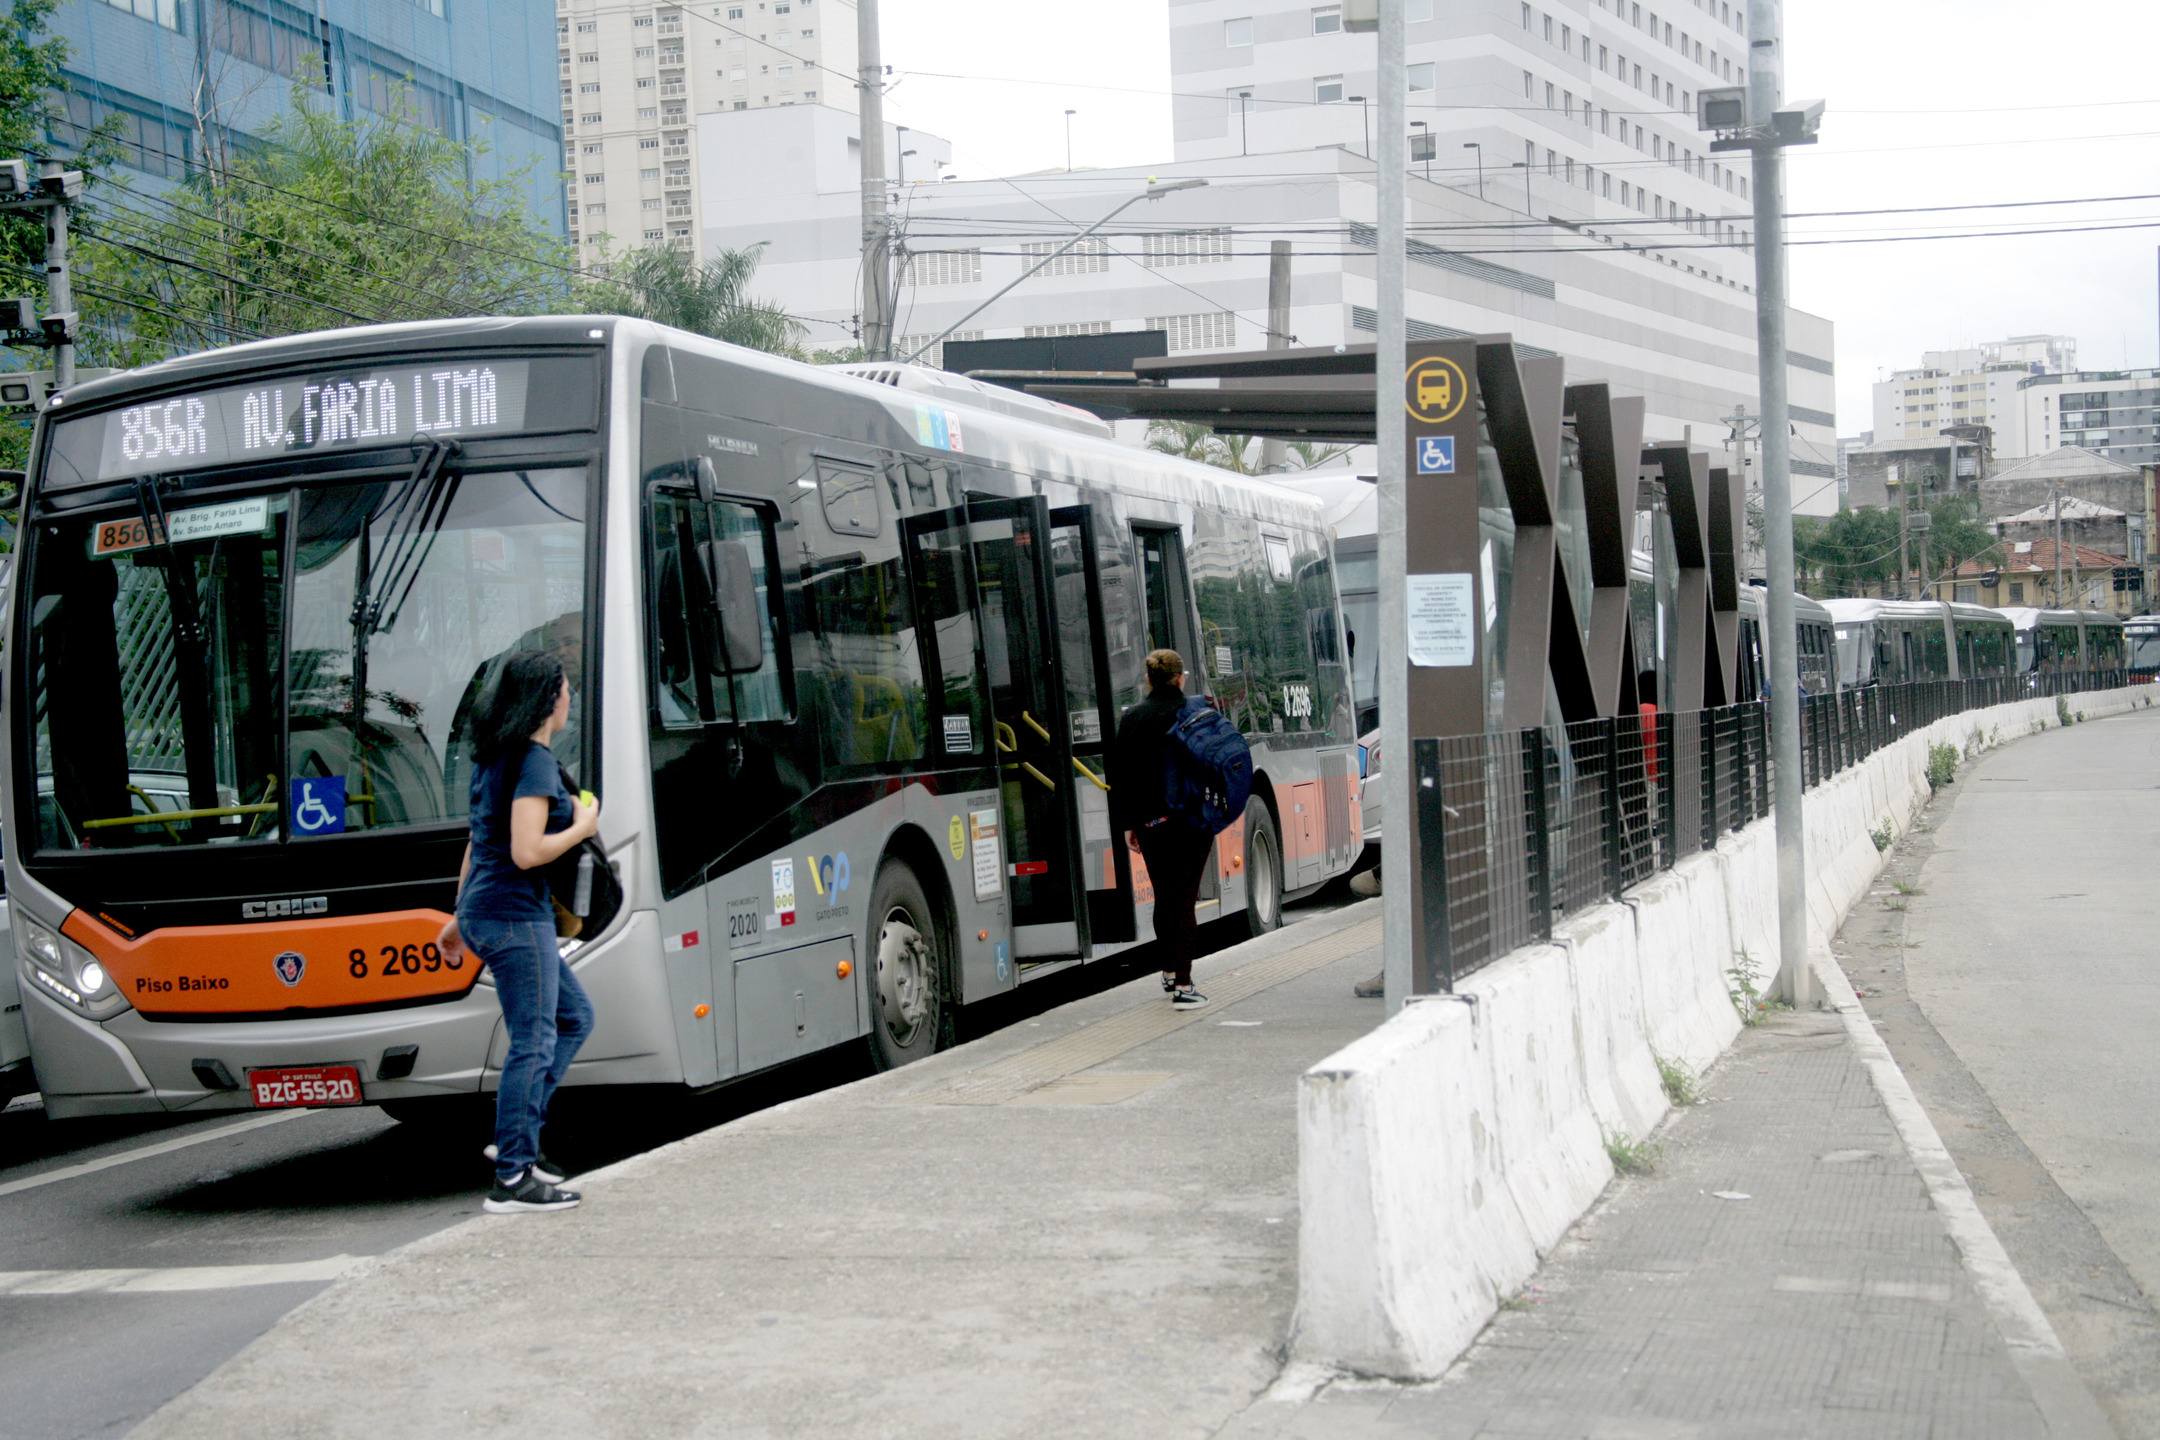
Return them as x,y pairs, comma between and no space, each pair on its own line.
1632,1157
1237,453
1856,551
1746,994
327,223
670,287
1883,836
1942,765
1678,1084
2062,711
31,62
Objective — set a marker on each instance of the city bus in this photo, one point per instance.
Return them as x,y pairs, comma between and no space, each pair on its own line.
847,649
1895,642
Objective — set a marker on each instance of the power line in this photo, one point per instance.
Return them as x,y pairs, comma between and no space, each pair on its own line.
324,305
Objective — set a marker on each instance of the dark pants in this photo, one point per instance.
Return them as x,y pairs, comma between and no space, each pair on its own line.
548,1017
1175,855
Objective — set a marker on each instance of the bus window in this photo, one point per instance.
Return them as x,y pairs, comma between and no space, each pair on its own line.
862,647
1162,575
849,496
716,650
942,573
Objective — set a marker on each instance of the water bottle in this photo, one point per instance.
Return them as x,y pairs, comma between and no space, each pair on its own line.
581,898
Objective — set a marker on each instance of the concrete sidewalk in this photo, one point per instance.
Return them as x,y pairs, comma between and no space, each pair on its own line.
1085,1226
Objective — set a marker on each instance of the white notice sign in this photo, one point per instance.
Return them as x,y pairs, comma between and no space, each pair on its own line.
983,835
1442,616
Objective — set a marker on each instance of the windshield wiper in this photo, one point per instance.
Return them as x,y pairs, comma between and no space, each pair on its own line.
191,652
415,519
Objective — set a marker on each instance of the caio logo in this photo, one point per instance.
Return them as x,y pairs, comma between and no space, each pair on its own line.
1434,390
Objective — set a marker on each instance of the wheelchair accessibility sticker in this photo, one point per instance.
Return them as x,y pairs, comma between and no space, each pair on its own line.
1436,455
318,805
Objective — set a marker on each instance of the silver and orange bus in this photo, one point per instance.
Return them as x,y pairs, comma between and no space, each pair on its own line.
847,649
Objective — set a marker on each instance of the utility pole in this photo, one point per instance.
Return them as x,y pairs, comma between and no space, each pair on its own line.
1904,523
52,192
1474,145
2057,488
1764,131
876,222
1391,349
1068,140
1274,453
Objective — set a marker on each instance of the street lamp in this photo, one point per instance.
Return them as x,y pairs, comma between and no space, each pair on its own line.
1529,206
1474,145
1155,191
1365,116
1068,140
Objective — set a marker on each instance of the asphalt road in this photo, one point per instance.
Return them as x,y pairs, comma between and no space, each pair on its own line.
171,1245
2007,960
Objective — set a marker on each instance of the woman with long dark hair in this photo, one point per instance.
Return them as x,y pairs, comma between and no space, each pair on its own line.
523,819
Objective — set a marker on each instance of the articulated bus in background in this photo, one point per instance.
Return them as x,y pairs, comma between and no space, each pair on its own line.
1896,642
2141,647
846,651
2065,642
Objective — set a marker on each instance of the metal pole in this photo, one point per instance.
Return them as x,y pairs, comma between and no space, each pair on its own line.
1274,451
1796,982
2058,545
1398,866
59,292
876,225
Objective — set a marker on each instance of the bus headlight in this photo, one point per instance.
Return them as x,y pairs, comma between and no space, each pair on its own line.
67,972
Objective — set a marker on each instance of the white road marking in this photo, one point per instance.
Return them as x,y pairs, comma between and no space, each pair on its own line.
157,1282
144,1152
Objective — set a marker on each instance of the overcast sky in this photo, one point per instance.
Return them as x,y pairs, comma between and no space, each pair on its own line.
1930,103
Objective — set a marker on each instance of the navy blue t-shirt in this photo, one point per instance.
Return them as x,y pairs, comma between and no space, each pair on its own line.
495,888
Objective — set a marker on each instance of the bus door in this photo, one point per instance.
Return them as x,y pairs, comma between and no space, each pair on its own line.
1030,725
1076,596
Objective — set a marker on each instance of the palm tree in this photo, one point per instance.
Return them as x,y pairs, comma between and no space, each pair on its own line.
668,286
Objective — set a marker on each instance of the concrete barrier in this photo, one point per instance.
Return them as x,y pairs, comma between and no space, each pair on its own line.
1442,1155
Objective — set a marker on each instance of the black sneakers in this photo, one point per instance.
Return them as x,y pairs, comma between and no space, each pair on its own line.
530,1192
1169,982
543,1167
1185,997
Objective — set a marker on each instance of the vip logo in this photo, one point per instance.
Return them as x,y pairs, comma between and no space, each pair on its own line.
290,966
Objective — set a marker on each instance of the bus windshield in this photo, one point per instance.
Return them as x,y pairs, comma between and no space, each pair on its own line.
2144,647
296,663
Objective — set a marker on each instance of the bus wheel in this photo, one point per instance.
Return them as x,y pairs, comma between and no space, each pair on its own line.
908,945
1263,869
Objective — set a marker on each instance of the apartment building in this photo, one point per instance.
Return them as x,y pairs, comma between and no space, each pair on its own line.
636,75
186,84
1579,110
1194,264
2115,413
1977,385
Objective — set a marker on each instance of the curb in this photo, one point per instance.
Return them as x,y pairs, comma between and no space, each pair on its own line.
2067,1407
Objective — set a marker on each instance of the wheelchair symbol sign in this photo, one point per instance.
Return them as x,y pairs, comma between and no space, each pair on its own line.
1436,455
318,805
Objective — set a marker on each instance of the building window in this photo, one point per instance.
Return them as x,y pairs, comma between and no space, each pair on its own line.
2017,592
1185,247
1078,327
944,267
652,234
1422,77
645,205
1087,257
1327,20
648,144
1237,34
1327,89
1209,330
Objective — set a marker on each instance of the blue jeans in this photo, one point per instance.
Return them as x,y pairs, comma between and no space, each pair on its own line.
548,1017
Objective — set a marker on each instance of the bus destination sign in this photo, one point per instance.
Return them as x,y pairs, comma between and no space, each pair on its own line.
346,409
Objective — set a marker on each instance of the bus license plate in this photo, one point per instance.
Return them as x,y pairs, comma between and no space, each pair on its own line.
316,1085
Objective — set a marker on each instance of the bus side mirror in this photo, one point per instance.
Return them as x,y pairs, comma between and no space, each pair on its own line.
708,480
741,638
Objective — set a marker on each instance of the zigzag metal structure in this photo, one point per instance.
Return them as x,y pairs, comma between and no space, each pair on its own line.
1573,470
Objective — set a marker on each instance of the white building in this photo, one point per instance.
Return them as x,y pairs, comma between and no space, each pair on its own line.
1674,326
1579,109
2115,413
636,74
1978,385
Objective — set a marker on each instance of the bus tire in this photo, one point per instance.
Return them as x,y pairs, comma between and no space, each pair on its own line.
1263,869
910,947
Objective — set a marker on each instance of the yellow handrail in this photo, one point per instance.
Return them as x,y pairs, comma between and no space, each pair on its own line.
1100,783
1034,724
1046,780
168,817
1006,739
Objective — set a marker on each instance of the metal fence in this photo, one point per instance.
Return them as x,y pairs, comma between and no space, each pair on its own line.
1534,825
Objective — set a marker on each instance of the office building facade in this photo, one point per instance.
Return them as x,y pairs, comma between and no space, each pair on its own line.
1977,385
2115,413
636,75
190,84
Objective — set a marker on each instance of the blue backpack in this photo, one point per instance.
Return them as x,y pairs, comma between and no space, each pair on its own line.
1207,769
